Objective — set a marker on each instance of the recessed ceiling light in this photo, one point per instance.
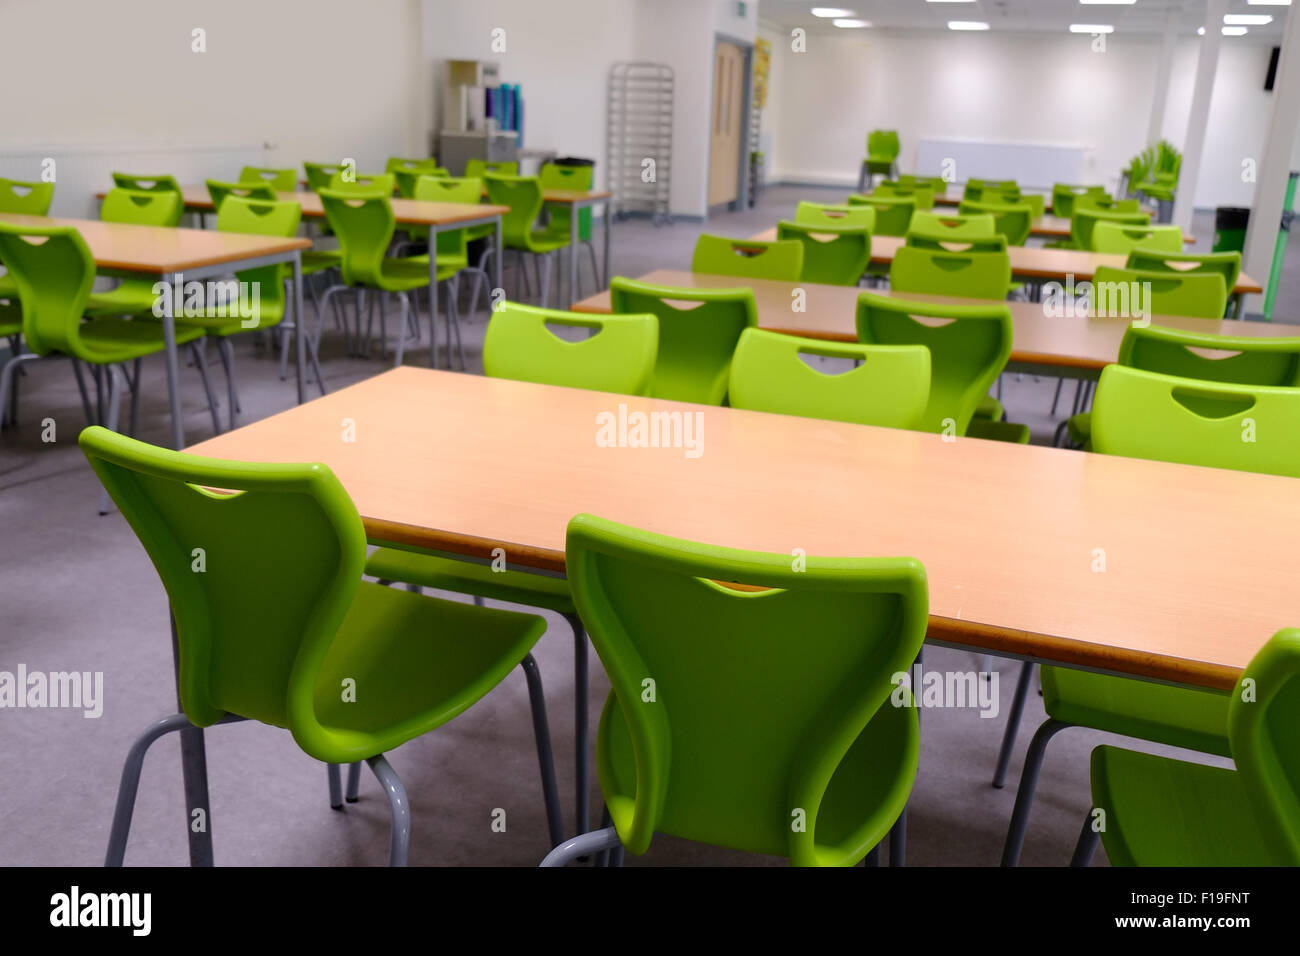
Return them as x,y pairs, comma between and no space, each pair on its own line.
967,25
1091,28
1234,31
1247,19
1268,3
852,24
829,12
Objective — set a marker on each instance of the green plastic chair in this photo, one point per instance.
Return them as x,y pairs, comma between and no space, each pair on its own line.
281,180
959,226
244,190
319,175
698,333
1115,237
921,193
580,178
146,184
781,260
364,223
1085,220
893,216
1166,812
384,183
1012,220
519,231
937,183
1064,194
54,271
406,179
1100,202
968,351
617,356
1199,294
135,295
281,655
890,386
820,214
1226,264
974,275
883,148
834,255
693,742
28,199
479,168
1142,414
991,190
942,239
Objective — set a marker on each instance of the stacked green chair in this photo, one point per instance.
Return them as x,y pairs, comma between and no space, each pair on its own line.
1085,220
147,184
959,226
279,655
698,333
28,199
890,385
893,216
54,271
922,193
580,179
1165,812
736,747
281,180
219,190
967,354
974,275
781,260
618,357
1064,194
822,214
835,255
1012,220
135,295
1116,237
1142,414
883,148
519,230
364,223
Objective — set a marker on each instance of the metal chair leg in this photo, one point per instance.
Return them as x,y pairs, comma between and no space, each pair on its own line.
135,400
201,362
400,808
400,350
550,792
580,720
1060,382
226,350
115,383
1025,794
354,782
582,845
8,375
898,841
85,395
130,784
1013,723
1087,845
336,786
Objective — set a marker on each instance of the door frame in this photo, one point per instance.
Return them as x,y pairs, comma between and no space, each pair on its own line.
747,103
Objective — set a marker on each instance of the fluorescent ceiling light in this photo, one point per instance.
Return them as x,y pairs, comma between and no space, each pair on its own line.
967,25
949,1
852,24
1268,3
1108,3
1091,28
829,12
1234,31
1200,31
1247,19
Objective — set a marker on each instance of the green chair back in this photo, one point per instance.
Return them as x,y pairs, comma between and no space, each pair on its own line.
1064,194
1116,237
427,165
835,255
478,168
969,347
893,216
29,199
1085,220
579,178
922,193
142,208
319,175
1101,202
937,183
523,194
1226,264
1141,414
617,356
749,258
975,275
281,180
1012,220
364,224
1237,359
262,218
698,332
407,178
991,190
244,190
146,184
244,649
692,741
54,271
883,145
819,214
957,225
364,183
457,189
940,239
1200,294
890,385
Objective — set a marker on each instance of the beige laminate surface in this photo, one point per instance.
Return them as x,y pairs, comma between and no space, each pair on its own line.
1199,568
1084,342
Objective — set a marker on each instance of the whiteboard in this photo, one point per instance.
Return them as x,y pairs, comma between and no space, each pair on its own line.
1032,165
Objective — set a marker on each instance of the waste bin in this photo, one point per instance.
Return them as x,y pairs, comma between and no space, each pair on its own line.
1230,228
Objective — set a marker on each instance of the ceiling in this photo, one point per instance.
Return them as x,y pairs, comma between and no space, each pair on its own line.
1146,17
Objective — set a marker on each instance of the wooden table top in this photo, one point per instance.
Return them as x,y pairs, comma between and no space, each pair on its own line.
1083,342
161,249
411,212
1029,261
1008,533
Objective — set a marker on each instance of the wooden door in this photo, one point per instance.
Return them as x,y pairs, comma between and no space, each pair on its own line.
727,132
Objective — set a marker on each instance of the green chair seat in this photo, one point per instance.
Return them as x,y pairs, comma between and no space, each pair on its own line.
130,297
1079,428
998,431
463,577
117,339
318,260
990,408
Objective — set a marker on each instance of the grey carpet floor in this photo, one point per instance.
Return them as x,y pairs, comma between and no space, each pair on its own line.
77,593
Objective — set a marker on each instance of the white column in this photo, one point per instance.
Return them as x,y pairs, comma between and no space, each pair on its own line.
1198,119
1164,70
1275,162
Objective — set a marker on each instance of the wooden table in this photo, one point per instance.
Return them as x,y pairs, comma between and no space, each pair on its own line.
182,255
1009,534
577,199
1065,346
1031,262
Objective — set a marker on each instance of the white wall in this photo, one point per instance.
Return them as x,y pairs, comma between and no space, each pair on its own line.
1006,87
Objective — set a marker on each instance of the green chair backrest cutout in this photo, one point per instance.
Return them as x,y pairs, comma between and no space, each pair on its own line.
835,255
820,214
478,168
1198,294
969,347
54,272
1236,359
893,216
363,183
939,239
244,190
1118,238
28,199
975,275
1012,220
146,184
142,208
281,180
319,175
890,386
958,225
749,258
1226,264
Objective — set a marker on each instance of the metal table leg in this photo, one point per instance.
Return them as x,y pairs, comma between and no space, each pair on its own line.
173,368
574,212
433,301
194,771
300,324
609,209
